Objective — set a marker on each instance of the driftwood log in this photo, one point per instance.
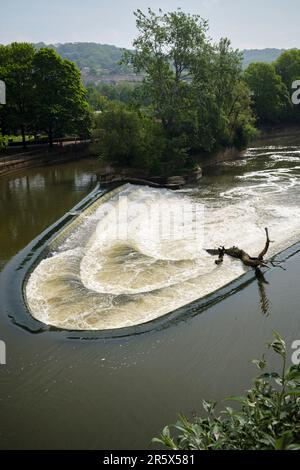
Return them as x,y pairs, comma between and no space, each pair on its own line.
235,252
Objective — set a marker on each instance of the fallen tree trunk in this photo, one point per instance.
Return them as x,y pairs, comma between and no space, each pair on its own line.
235,252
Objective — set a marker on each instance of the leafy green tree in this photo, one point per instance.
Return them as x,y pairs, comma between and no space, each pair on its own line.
164,50
191,83
126,137
124,92
16,69
288,67
96,100
223,100
61,106
270,95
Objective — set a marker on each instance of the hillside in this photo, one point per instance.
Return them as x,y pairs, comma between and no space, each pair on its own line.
101,62
97,62
260,55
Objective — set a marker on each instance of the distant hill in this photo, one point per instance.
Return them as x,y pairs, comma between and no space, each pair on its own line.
260,55
100,62
97,62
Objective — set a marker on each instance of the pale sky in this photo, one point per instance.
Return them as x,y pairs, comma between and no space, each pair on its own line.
249,24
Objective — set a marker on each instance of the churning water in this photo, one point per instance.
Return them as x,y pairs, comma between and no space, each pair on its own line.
141,254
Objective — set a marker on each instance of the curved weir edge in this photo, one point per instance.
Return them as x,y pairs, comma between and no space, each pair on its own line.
25,262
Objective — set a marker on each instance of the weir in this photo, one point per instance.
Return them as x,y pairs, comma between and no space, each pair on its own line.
138,253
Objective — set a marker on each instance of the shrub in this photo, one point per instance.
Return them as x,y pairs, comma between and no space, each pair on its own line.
125,136
268,417
3,141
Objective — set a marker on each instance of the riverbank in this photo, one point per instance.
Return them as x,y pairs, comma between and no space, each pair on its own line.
42,156
108,174
180,178
120,175
291,134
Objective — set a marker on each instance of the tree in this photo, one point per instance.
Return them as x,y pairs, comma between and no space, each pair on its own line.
270,95
223,100
98,94
126,137
16,69
191,83
288,68
164,50
61,105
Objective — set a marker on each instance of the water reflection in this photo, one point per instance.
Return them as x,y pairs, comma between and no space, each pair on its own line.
262,283
31,202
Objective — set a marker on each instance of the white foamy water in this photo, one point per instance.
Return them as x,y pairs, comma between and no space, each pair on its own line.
141,254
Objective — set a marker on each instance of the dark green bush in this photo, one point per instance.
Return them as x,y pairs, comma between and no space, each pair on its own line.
268,417
125,136
3,141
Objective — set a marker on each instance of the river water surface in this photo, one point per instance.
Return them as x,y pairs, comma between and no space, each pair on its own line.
68,390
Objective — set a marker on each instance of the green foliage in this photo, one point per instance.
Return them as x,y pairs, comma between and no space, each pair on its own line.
3,141
245,134
268,417
100,58
271,98
194,87
44,93
61,106
271,85
124,136
288,67
123,92
104,60
16,70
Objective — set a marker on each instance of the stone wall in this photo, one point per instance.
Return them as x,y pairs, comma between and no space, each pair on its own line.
41,157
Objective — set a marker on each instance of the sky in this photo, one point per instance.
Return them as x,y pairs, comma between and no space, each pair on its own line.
250,24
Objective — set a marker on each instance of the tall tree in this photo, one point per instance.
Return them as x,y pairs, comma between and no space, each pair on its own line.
270,95
16,69
191,83
165,50
288,67
61,105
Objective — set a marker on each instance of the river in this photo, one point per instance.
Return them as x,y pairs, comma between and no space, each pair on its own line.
74,390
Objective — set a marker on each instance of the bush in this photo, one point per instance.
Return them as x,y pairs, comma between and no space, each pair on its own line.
126,137
268,418
3,141
245,134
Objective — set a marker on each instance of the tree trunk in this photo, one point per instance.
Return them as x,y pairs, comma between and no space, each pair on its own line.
23,136
50,137
235,252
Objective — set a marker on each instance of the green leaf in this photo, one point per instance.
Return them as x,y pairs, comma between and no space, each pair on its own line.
294,447
261,364
209,406
278,345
